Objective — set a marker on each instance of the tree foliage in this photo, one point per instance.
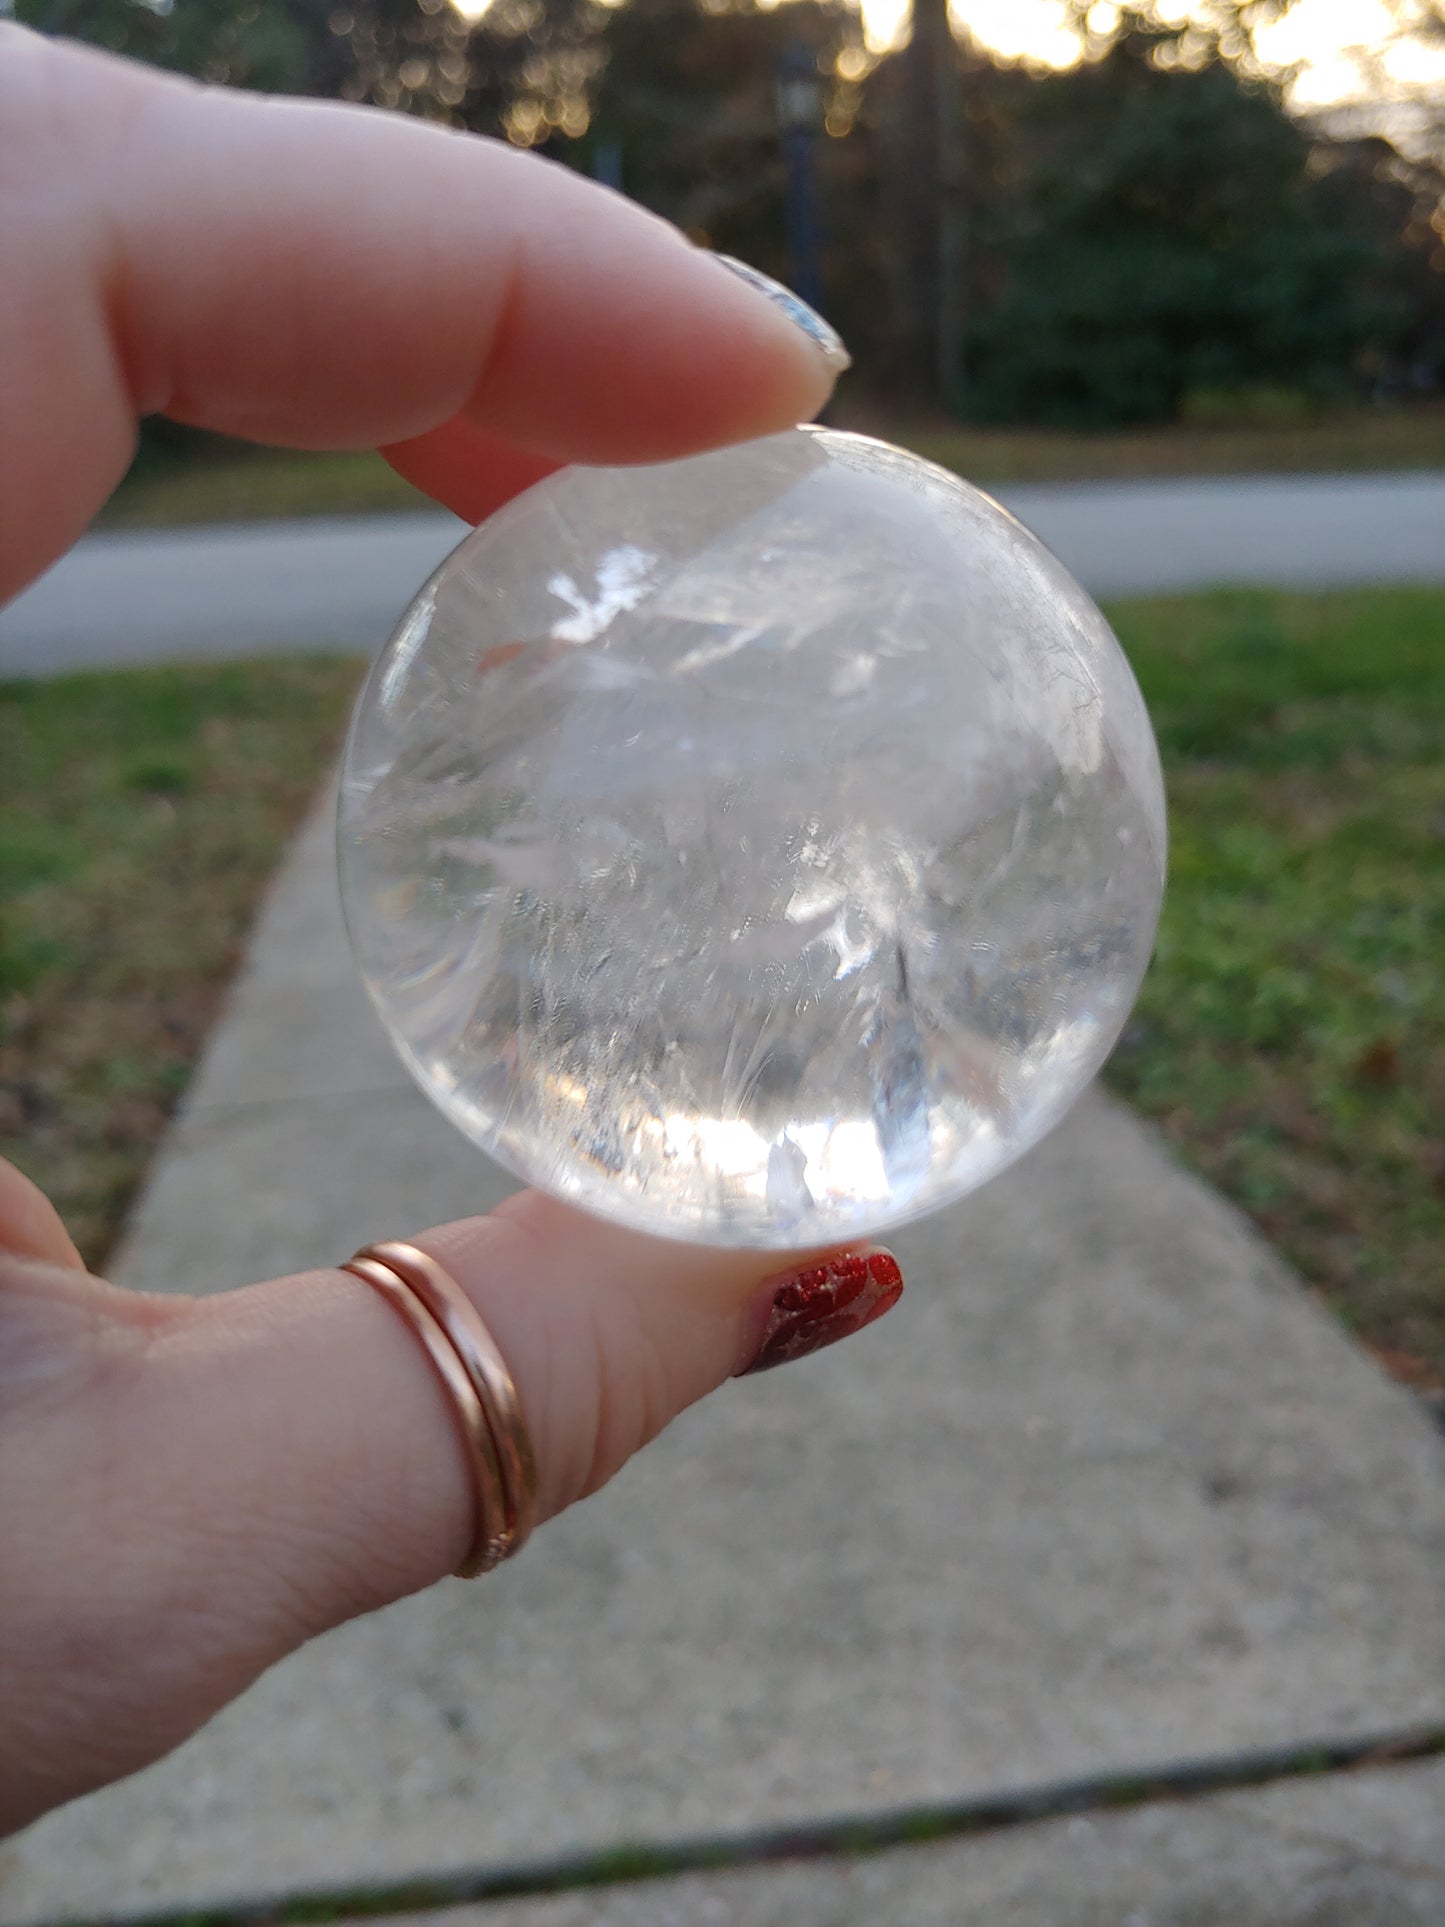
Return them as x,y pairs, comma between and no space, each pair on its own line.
280,46
1154,230
1148,228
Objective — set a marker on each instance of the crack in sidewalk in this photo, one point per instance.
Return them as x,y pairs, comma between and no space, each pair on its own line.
847,1835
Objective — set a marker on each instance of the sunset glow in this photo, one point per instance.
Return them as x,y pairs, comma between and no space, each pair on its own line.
1324,37
1331,41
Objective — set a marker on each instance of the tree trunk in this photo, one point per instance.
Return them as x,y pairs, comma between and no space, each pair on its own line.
929,156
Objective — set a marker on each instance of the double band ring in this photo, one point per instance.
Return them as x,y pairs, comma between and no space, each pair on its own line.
480,1389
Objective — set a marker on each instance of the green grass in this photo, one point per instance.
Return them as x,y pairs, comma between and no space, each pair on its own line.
140,815
1290,1039
1291,1035
243,484
258,485
1358,441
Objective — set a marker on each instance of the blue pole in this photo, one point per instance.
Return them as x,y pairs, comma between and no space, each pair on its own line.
798,95
606,160
802,216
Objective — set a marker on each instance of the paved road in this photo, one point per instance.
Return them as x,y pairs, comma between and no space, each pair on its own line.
341,584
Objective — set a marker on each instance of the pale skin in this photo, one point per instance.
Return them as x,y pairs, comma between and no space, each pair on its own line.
189,1488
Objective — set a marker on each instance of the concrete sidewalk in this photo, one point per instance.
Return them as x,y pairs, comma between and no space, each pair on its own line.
1107,1490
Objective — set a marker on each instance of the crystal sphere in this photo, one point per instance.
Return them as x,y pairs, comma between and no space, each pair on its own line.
758,849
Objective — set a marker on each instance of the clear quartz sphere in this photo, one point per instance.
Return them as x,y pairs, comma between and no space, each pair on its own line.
758,849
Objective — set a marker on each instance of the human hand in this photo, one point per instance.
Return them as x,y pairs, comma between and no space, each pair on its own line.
189,1488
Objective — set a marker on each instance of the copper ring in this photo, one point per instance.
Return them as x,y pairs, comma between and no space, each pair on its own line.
487,1369
482,1391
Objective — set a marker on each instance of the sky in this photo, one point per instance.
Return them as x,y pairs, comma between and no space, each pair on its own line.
1315,34
1318,33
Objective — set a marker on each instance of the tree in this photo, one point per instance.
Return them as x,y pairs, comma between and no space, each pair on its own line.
1162,229
927,167
278,45
1147,227
687,98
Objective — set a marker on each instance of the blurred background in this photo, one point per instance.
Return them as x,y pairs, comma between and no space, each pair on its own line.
1065,242
1038,213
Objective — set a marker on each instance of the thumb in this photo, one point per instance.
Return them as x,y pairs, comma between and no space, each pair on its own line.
238,1473
610,1335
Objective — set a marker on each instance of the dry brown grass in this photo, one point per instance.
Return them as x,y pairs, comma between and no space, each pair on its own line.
140,816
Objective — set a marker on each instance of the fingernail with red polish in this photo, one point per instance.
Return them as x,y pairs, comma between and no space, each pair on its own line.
813,1308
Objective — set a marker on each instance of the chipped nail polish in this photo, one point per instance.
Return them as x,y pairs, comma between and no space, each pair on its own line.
824,337
817,1307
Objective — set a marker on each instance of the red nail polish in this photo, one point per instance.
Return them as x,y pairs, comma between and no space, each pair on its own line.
827,1302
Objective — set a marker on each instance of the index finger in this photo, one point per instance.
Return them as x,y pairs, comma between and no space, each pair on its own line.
320,276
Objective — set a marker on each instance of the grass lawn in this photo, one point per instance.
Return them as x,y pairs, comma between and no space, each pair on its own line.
1355,440
140,815
1291,1035
247,484
258,485
1290,1039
